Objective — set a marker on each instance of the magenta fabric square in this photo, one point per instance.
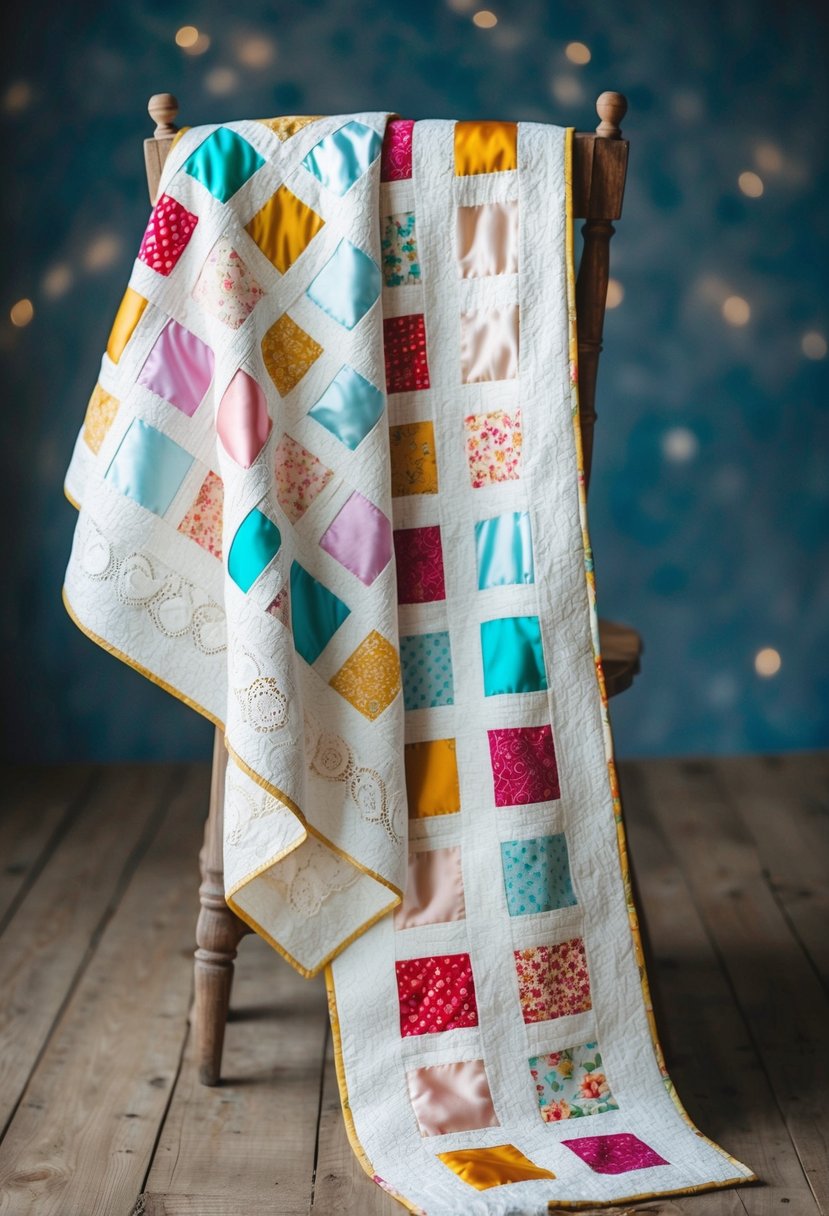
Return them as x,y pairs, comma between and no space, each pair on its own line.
419,565
617,1154
436,993
523,765
359,537
179,368
168,233
396,158
404,339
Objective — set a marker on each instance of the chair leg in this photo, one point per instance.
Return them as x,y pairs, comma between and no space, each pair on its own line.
218,933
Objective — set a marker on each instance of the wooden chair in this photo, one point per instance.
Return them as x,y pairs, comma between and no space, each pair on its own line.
599,170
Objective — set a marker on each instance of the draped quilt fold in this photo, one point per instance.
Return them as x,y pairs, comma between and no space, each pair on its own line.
330,495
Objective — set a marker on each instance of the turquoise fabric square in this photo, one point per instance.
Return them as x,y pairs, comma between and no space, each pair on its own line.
148,466
341,158
347,285
427,670
316,613
223,163
350,407
513,655
254,547
505,550
537,874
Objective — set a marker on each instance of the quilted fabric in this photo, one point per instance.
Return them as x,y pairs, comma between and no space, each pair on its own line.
307,508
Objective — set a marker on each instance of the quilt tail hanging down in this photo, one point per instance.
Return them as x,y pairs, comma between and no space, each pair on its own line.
330,495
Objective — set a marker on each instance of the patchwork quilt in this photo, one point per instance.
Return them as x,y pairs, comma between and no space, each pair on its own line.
330,496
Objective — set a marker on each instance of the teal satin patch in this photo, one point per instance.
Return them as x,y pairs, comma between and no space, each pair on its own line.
148,467
341,159
316,614
350,407
223,163
347,285
513,655
254,547
504,549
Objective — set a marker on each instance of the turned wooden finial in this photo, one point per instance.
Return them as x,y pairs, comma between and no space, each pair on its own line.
163,108
611,109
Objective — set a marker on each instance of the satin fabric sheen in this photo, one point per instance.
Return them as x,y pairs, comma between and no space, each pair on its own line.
504,547
486,1167
343,156
148,467
485,147
489,345
284,227
513,655
487,237
223,163
129,313
179,368
451,1098
350,407
242,419
347,285
434,889
255,545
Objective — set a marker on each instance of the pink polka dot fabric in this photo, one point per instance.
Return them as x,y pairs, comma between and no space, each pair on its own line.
436,993
167,236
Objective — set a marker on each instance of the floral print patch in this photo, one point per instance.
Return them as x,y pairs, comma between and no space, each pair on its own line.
225,287
436,994
203,522
414,468
537,874
404,339
617,1154
524,766
288,352
280,607
419,556
168,234
493,447
398,244
427,670
553,980
300,477
370,677
571,1084
100,415
396,157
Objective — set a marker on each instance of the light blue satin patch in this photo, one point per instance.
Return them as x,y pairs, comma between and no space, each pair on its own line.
341,159
255,545
350,407
513,655
316,614
148,467
223,163
505,550
347,285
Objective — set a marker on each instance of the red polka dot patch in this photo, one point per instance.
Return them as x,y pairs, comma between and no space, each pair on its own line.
407,368
436,994
168,232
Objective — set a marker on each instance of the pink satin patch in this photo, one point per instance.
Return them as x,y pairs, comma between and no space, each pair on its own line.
242,421
489,344
179,368
487,239
359,538
434,889
451,1098
396,157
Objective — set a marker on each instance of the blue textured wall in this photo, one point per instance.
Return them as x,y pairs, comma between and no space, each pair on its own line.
709,500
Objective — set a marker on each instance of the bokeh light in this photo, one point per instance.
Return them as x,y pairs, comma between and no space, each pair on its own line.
18,97
768,157
256,51
101,252
751,184
813,345
485,19
767,662
56,281
567,90
736,311
615,293
192,40
680,444
577,52
221,81
22,313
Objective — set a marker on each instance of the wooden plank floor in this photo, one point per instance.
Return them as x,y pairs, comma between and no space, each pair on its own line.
100,1110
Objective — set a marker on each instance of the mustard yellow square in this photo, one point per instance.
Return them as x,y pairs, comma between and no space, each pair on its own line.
130,312
414,468
432,778
486,1167
284,228
284,128
370,677
288,351
100,415
485,147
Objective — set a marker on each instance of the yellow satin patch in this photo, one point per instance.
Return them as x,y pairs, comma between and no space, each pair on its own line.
284,128
129,313
100,415
284,228
414,468
432,778
486,1167
485,147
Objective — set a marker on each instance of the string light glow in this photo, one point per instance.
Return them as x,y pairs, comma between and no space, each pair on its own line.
101,252
484,19
56,281
577,52
256,51
22,313
751,184
736,311
813,345
615,293
567,90
767,662
768,157
221,81
187,36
